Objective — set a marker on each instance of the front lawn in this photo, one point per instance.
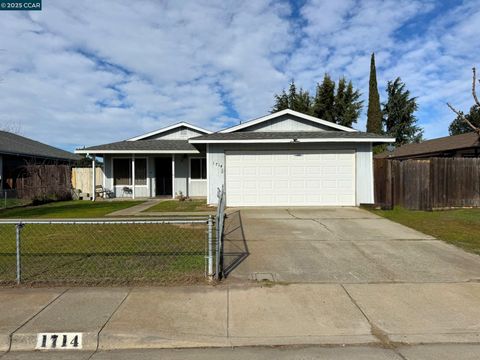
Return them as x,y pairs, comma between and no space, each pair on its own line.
67,209
458,227
181,206
104,254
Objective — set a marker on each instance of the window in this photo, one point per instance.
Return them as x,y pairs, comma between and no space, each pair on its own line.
198,168
122,171
140,171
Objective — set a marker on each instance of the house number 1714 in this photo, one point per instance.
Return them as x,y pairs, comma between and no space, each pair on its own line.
59,341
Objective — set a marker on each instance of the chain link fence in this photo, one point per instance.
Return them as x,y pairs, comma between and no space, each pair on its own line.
136,252
12,198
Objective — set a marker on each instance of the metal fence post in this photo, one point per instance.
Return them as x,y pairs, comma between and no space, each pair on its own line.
210,246
18,230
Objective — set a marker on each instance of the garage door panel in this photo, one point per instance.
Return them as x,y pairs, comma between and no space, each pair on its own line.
290,178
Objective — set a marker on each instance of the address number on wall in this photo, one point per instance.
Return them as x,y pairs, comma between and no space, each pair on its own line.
59,341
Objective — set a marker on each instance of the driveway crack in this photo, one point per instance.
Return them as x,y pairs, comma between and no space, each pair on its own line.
316,221
376,331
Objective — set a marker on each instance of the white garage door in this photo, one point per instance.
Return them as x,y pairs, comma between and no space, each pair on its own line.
288,178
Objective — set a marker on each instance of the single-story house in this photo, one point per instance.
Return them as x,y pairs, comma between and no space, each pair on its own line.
463,145
282,159
17,151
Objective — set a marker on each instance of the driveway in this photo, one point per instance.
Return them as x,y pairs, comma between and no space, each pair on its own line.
337,245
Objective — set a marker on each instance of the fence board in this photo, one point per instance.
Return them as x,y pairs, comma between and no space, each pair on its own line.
433,183
82,178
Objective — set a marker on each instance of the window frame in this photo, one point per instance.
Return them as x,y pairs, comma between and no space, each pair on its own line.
130,168
201,168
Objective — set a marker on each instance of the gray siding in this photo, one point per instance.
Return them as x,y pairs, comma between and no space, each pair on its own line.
181,174
181,133
363,155
287,123
215,170
364,166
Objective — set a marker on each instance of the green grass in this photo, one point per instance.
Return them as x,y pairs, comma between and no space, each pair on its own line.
10,203
180,206
458,227
119,254
67,209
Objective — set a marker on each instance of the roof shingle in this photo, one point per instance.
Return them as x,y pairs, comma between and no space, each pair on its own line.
144,145
251,135
447,143
14,144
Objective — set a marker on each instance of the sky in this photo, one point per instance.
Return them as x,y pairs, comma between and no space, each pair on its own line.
81,73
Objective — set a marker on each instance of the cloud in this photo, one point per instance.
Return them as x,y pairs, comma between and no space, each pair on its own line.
89,72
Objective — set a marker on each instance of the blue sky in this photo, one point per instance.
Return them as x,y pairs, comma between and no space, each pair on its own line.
89,72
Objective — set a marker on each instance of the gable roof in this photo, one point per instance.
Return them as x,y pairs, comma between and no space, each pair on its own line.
290,137
168,128
287,112
443,144
142,147
13,144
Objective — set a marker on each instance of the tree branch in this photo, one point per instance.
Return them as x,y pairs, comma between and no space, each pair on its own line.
463,118
474,91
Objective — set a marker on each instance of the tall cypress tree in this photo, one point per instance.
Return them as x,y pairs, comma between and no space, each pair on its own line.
374,113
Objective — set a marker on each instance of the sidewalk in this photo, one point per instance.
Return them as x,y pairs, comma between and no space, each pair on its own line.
183,317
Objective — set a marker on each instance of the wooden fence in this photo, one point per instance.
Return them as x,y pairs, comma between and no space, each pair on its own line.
82,178
435,183
44,182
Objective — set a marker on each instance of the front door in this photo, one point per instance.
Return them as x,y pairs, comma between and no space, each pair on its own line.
163,176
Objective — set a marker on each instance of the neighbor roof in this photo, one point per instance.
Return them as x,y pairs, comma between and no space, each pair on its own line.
168,128
290,136
287,112
13,144
142,146
443,144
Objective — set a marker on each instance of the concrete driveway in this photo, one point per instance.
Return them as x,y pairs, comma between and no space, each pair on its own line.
337,245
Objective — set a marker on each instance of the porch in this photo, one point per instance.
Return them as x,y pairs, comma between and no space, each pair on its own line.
153,175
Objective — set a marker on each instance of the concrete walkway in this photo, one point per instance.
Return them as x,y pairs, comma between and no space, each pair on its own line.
386,315
139,211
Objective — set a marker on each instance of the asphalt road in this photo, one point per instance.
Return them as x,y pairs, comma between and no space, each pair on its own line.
421,352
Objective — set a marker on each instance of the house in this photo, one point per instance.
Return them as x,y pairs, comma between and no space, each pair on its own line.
282,159
17,151
463,145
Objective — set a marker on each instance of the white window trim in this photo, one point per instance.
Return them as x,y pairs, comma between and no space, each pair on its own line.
130,159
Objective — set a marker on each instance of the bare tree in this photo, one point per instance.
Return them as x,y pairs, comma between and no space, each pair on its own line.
460,114
14,127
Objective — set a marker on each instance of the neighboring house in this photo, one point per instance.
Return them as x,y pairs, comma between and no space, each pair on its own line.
17,151
282,159
463,145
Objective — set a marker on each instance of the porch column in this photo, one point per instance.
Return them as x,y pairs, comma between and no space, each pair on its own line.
94,178
133,176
